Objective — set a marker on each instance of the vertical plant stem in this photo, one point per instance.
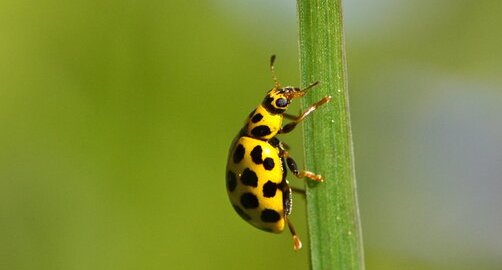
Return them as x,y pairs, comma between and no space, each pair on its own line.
332,210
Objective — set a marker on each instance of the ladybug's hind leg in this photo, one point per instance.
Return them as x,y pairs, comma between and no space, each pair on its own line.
297,243
288,204
298,190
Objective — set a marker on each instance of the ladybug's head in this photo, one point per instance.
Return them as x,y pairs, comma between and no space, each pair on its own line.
266,120
278,99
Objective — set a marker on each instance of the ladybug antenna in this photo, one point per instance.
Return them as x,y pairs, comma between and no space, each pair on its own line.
301,92
310,87
272,69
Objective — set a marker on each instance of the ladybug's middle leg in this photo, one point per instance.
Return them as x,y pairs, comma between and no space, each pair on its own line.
291,163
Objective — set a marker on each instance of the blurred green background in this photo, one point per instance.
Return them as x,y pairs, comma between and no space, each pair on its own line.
116,116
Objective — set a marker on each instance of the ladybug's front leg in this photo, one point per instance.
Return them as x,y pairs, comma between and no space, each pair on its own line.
297,119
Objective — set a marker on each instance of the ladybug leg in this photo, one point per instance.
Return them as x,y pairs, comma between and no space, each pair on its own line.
298,190
294,168
288,204
284,146
297,119
297,243
279,145
289,116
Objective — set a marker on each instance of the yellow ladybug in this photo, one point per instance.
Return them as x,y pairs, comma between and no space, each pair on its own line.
257,160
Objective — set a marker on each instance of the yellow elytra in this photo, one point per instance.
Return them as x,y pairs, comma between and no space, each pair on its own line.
257,160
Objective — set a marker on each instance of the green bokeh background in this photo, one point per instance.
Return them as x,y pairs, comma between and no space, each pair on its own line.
116,116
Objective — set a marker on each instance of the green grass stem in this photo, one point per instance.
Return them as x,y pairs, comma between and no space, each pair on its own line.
332,209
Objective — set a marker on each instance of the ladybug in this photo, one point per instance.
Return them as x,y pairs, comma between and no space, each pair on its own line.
257,160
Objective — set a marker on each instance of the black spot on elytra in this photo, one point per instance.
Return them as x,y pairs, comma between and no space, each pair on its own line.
231,181
249,200
269,189
268,163
270,216
249,178
241,212
239,153
261,131
256,118
256,155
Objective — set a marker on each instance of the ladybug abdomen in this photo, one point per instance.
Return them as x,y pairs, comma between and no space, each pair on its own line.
254,183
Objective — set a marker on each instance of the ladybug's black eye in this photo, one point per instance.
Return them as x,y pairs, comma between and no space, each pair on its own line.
281,102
